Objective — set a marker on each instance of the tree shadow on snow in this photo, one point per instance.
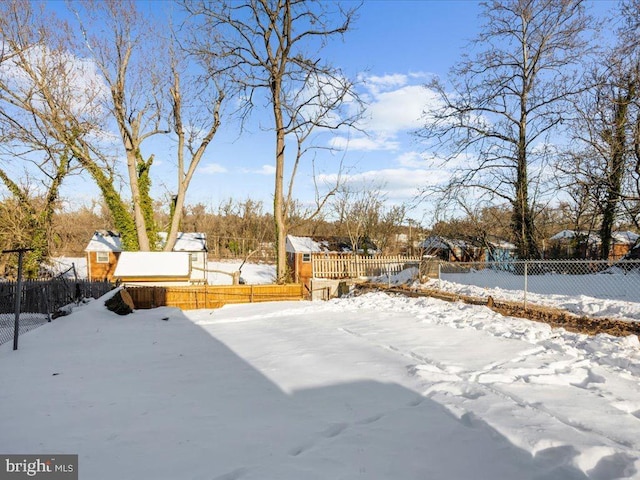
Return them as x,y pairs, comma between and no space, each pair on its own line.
155,396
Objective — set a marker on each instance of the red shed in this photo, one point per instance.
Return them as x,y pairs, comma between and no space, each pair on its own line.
103,252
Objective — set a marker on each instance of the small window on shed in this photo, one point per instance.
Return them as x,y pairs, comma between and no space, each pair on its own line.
102,257
194,257
306,257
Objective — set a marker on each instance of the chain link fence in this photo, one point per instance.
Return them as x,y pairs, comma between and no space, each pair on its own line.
40,300
547,282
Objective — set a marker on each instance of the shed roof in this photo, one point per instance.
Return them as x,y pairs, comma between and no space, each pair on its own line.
187,241
153,264
327,244
302,245
104,241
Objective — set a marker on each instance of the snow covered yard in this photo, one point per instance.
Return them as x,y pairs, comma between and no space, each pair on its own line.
615,295
372,387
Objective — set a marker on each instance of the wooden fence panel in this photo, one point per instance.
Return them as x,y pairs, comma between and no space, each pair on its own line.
214,296
354,266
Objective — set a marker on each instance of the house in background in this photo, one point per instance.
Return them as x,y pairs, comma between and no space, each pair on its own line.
452,250
302,250
622,243
299,255
103,252
498,250
574,244
490,249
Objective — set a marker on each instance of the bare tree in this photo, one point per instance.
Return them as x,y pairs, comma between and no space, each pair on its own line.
264,44
43,102
604,129
71,89
150,99
361,213
505,102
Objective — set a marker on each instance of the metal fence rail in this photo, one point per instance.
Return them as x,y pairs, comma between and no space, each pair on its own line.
525,279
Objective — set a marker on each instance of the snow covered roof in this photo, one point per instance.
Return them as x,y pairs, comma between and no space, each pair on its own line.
617,237
328,244
104,241
593,238
153,264
187,241
302,245
437,242
431,243
564,235
627,237
502,244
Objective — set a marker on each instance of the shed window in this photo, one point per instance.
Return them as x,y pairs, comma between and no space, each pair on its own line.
194,257
306,257
102,257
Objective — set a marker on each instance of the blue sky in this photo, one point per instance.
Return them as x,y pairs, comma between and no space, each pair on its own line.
393,49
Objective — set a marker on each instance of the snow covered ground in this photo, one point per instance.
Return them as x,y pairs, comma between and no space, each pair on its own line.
615,295
374,387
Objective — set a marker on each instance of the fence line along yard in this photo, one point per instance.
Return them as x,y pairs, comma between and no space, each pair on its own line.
521,280
47,296
39,299
191,298
354,266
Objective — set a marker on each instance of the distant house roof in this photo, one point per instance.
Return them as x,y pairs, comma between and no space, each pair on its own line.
104,241
437,242
153,264
187,241
564,235
434,243
503,244
625,237
327,244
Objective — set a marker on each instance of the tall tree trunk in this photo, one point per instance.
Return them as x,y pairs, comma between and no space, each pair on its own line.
615,172
279,208
136,198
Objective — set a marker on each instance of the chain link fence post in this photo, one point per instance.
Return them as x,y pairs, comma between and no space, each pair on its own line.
18,293
526,282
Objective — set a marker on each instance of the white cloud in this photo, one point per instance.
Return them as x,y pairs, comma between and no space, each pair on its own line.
213,168
395,106
360,143
398,110
383,82
264,170
397,183
411,159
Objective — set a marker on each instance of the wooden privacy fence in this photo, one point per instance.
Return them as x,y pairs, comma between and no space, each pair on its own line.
214,296
353,266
